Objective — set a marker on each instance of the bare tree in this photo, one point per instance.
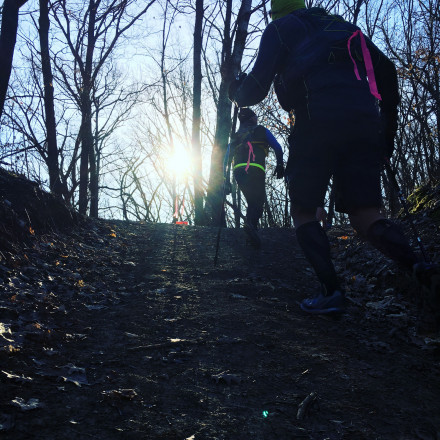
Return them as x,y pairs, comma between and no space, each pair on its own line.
197,95
49,106
412,39
97,33
8,37
233,44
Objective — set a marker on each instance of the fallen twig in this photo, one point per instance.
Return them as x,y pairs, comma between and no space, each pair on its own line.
305,404
167,344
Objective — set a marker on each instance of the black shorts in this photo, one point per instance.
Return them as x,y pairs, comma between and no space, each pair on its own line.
350,153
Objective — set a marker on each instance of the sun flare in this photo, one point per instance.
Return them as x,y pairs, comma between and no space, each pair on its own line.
181,161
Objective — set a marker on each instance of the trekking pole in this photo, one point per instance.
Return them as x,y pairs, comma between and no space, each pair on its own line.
234,125
392,176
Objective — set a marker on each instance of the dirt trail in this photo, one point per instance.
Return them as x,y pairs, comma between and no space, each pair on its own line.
128,331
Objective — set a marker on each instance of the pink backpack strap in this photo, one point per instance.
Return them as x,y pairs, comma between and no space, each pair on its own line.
251,151
368,64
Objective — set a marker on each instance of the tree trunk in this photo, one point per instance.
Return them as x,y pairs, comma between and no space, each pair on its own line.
94,179
236,202
86,131
8,37
87,152
197,93
90,139
270,219
215,186
230,66
49,107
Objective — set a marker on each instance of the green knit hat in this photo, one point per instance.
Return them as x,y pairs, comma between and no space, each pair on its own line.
280,8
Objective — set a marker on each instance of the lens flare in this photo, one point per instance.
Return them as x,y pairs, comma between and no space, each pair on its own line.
181,161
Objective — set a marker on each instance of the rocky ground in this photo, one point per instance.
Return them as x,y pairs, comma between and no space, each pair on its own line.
113,330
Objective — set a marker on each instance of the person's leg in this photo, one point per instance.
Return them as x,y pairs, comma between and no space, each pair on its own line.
308,173
384,235
251,184
256,194
358,184
314,242
388,238
316,247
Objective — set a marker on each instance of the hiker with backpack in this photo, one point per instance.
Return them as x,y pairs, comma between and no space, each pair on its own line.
248,149
345,126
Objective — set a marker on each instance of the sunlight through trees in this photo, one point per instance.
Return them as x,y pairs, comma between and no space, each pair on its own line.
100,95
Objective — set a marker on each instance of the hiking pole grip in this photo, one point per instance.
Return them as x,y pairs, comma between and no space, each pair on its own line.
233,128
392,176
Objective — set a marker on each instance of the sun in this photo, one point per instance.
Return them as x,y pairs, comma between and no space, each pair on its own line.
181,161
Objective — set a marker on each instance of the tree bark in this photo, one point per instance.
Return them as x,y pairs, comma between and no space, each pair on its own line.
49,107
166,113
197,93
87,152
236,202
268,210
8,38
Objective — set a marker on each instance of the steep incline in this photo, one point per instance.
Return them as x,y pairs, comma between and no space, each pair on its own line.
128,331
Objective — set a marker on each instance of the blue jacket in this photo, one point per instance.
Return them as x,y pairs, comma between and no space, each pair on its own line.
305,54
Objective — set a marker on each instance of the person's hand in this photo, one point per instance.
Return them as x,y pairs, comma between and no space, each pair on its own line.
279,171
390,136
390,121
235,84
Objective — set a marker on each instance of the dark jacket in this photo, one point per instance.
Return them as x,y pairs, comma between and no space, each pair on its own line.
305,54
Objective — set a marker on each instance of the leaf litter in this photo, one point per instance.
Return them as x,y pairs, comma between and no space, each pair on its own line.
150,343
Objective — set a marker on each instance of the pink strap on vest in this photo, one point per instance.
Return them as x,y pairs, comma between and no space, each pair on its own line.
251,151
368,64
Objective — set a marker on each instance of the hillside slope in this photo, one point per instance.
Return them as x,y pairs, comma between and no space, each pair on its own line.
113,330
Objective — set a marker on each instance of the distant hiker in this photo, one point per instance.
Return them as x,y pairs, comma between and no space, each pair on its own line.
249,148
344,127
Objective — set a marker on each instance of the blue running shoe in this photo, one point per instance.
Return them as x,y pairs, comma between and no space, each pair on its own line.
325,304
